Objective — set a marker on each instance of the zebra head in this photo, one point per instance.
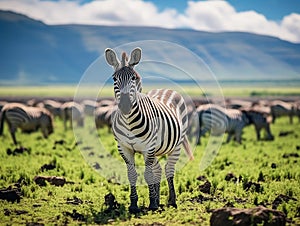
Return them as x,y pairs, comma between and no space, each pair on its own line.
127,81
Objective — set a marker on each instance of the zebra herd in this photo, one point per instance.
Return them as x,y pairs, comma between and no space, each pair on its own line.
152,124
31,116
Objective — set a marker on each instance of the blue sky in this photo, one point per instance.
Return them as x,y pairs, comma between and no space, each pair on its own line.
272,9
278,18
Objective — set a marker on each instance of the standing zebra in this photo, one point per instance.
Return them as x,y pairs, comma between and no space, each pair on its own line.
153,125
260,120
29,119
220,120
72,111
281,108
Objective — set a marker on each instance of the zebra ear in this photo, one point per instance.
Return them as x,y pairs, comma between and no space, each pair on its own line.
135,57
111,58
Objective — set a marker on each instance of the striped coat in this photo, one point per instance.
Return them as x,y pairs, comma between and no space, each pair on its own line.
72,111
281,108
260,120
103,116
28,119
153,125
219,120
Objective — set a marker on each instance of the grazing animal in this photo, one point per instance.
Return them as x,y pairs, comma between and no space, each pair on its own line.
28,119
89,107
260,120
53,106
281,108
103,116
152,124
220,120
72,111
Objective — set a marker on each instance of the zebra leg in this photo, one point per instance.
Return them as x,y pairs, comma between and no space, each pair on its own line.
156,169
13,134
170,172
150,179
229,137
257,130
238,136
132,176
128,157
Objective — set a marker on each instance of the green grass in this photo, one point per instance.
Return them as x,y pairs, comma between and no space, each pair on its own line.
107,91
251,161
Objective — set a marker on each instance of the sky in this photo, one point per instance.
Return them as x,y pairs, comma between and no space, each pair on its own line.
278,18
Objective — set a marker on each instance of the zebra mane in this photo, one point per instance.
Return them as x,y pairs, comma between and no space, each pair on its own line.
124,61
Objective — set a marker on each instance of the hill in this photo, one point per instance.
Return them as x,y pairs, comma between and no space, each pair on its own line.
35,53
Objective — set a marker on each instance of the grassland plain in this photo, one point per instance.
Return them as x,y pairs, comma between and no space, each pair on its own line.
107,91
260,171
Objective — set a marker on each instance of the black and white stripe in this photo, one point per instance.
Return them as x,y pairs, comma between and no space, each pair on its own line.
280,108
28,119
260,120
153,125
219,120
72,111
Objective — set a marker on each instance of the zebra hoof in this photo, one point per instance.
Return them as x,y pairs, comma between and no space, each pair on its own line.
173,205
153,208
134,209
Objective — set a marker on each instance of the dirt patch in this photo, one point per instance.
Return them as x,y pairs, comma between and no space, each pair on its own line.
231,177
243,217
18,151
280,199
53,180
75,215
205,188
289,155
285,133
256,186
10,194
74,201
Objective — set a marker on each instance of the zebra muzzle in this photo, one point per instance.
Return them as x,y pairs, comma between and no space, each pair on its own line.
125,103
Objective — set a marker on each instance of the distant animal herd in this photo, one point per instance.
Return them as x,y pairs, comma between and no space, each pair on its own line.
231,117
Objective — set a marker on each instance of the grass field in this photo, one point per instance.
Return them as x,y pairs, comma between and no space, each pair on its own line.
263,169
107,91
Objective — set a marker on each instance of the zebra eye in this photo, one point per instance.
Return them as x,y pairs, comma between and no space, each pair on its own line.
133,77
114,78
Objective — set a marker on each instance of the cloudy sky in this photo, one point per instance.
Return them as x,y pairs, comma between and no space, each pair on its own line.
279,18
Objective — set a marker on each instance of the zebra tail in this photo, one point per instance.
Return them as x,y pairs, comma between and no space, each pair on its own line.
2,117
187,148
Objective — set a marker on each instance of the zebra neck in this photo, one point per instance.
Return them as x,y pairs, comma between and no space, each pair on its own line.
136,113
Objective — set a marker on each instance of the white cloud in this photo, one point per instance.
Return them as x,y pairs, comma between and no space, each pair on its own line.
202,15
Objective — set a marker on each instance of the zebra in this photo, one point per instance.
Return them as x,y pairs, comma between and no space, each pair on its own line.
89,107
53,106
72,111
103,116
28,119
260,120
281,108
153,124
220,120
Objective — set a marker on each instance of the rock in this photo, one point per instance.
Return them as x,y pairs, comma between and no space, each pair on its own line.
229,216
